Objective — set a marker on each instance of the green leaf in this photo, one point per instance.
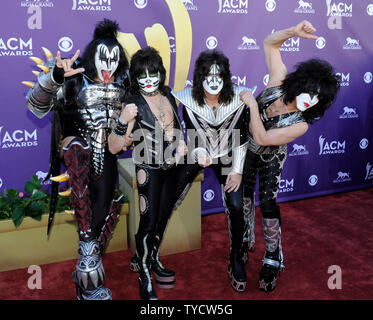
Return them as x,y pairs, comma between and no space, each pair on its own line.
12,193
30,186
18,215
35,181
38,195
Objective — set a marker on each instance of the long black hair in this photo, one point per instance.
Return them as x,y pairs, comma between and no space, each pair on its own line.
313,76
106,33
201,69
147,58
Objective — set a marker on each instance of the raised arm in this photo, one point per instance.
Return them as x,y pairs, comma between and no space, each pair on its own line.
272,43
272,137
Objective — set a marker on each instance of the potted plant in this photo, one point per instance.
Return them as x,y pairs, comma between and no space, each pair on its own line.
23,228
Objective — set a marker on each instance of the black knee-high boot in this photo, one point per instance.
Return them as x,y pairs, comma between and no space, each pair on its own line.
143,251
273,261
164,278
236,263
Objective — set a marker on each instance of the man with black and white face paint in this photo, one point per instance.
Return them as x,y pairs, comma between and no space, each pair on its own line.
213,82
278,116
149,83
213,111
106,61
90,93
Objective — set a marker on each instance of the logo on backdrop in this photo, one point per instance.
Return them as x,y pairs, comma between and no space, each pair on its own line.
17,138
189,83
266,79
345,79
338,9
292,44
248,44
240,81
320,43
349,113
313,180
233,6
171,39
41,175
15,46
369,172
342,177
331,147
304,7
140,4
298,150
352,44
368,77
270,5
93,5
1,182
286,185
370,9
211,42
363,144
65,44
37,3
189,5
209,195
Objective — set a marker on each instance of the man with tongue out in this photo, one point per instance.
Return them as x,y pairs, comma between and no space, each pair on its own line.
86,96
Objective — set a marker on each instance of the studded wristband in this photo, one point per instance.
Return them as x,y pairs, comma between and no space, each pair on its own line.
120,129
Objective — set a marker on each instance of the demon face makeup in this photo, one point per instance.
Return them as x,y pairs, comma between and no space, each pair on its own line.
213,83
148,82
106,61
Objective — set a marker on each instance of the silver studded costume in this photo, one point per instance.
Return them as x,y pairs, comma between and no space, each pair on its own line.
267,162
223,138
87,111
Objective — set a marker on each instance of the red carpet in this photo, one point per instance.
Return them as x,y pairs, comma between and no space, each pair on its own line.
317,233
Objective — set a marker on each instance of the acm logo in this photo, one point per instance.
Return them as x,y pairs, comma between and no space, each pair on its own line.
17,138
340,9
331,147
91,5
15,46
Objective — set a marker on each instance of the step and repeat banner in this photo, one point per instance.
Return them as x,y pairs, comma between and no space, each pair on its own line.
335,155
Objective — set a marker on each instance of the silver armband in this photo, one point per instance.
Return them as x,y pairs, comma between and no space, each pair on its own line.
239,154
41,97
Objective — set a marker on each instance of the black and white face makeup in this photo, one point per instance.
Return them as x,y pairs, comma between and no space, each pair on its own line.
149,82
213,83
306,101
106,61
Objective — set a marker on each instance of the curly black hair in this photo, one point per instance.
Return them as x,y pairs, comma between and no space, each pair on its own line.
201,69
105,32
313,76
147,58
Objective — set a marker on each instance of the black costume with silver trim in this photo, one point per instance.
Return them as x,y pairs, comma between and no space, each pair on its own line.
267,162
155,160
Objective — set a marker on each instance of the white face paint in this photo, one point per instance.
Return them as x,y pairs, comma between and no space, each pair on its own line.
149,82
106,61
306,101
213,83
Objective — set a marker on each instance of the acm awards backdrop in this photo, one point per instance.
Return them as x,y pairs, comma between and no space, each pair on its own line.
335,155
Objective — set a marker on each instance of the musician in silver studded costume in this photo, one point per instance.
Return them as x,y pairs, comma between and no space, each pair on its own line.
279,115
86,96
216,121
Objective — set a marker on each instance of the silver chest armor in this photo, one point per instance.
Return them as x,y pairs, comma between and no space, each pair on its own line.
99,106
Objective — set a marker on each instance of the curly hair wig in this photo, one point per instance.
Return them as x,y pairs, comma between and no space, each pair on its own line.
201,69
147,58
313,76
106,33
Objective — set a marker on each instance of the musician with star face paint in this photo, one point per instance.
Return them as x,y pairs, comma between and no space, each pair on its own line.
153,123
87,97
279,115
216,121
